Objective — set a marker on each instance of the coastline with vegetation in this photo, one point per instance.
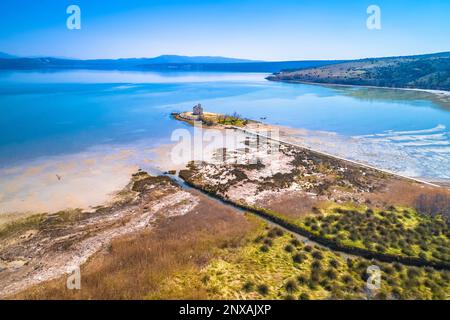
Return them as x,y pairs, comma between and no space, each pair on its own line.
440,95
213,120
349,210
429,73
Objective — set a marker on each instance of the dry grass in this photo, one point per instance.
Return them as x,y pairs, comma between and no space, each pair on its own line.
292,205
8,218
405,193
138,266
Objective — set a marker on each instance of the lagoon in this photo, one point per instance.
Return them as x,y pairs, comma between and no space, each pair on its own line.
50,118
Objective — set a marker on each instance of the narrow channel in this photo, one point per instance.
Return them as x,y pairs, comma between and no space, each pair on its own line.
303,238
299,237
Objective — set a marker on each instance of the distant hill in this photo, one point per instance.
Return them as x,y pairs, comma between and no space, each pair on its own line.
430,71
6,56
184,59
161,63
268,67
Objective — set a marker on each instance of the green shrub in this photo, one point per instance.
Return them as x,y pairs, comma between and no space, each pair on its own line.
302,279
324,283
350,262
317,255
272,234
362,265
312,284
413,272
263,289
259,239
290,286
304,296
331,274
381,296
347,279
396,293
289,248
388,269
411,283
278,232
316,265
398,267
205,279
315,275
297,258
248,286
334,263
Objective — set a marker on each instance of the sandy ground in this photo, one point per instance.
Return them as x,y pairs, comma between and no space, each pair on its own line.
88,179
409,153
82,181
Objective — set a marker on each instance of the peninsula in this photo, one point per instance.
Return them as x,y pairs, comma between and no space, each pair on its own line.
428,72
295,224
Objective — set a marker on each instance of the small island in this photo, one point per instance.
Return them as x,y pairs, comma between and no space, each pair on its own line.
210,119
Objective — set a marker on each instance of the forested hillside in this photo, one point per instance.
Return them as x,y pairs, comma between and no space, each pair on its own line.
424,72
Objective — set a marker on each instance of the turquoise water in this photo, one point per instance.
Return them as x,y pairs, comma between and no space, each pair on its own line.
50,114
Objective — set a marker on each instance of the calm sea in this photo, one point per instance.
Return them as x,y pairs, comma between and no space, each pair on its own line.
66,113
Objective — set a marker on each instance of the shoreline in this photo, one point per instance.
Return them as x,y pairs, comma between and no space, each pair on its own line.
435,182
340,158
31,201
140,209
442,94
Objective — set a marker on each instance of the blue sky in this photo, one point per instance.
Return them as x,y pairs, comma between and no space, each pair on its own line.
253,29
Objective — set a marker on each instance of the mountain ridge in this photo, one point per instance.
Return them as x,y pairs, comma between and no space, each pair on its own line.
160,63
424,71
4,55
166,58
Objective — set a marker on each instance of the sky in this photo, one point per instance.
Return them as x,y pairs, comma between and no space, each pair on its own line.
252,29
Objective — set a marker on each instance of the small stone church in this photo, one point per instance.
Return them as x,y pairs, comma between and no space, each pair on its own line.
197,110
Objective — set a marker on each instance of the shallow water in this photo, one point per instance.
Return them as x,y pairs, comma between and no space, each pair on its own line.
58,118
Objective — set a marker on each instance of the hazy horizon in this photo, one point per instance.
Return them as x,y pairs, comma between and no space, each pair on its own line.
247,29
206,56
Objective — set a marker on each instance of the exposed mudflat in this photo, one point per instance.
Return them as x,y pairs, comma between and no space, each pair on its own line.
264,171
